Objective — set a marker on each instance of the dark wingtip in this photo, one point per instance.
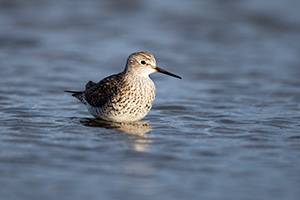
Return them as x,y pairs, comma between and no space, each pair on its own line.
69,91
76,94
73,92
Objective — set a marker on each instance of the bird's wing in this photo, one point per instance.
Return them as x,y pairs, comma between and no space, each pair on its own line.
101,92
89,85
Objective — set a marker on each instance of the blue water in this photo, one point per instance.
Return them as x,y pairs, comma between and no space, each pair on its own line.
228,130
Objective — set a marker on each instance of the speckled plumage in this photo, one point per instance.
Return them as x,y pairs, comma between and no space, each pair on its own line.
124,97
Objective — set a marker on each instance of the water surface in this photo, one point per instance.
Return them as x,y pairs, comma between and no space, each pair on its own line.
228,130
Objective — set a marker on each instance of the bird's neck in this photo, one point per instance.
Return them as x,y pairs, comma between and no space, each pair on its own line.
136,74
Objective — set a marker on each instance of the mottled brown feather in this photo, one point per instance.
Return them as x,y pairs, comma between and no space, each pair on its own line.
89,85
98,94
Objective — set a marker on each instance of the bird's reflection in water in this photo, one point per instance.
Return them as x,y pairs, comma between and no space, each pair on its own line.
140,129
134,128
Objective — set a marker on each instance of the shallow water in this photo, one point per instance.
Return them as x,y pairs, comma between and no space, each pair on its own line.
228,130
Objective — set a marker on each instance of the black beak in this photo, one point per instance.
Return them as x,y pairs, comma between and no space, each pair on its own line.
165,72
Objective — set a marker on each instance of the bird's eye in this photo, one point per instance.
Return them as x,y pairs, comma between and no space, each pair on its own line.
143,62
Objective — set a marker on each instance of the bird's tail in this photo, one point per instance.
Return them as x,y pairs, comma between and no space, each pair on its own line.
78,94
73,92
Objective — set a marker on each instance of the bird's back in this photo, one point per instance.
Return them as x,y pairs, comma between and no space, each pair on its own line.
96,95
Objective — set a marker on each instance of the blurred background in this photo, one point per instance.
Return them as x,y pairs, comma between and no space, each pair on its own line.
228,130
